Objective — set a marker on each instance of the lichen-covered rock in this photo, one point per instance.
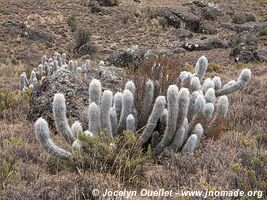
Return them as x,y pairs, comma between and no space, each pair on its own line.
37,35
205,44
133,56
179,18
74,86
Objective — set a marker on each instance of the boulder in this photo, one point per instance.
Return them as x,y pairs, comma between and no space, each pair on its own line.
75,88
133,56
37,35
205,44
178,18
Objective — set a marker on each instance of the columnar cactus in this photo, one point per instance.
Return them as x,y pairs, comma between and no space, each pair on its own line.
106,103
43,136
127,109
130,123
95,91
148,98
59,113
243,79
201,67
189,117
94,118
157,111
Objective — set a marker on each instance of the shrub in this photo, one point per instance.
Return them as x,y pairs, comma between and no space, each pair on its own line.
72,23
82,37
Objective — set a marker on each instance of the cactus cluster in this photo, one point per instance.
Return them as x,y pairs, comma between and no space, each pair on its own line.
47,67
177,122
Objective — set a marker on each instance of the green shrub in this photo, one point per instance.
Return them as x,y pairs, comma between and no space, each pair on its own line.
72,23
124,158
82,37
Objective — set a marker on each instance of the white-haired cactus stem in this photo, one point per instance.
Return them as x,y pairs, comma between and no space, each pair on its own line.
157,111
195,84
113,121
217,82
33,75
22,81
87,66
201,67
94,118
71,66
130,86
221,111
55,65
34,82
95,91
76,128
164,117
191,144
106,103
198,113
130,123
59,113
77,147
207,84
178,139
208,111
147,100
183,103
172,98
43,136
186,79
118,104
243,79
127,109
44,59
41,70
210,96
198,130
63,58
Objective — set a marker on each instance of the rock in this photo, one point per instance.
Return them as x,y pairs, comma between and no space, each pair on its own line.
75,88
37,35
246,38
179,50
205,44
210,13
251,26
182,33
14,24
179,18
87,49
108,2
207,27
248,53
126,57
261,55
207,11
243,18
